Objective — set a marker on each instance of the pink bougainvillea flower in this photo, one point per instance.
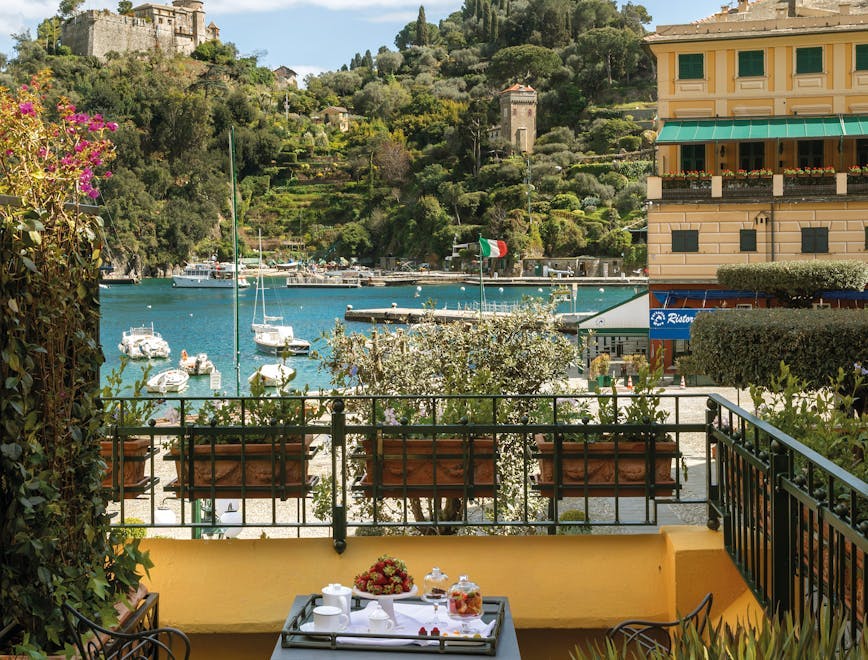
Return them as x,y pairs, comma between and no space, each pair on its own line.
26,108
93,193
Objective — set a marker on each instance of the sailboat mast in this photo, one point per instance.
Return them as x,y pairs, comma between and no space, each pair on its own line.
235,244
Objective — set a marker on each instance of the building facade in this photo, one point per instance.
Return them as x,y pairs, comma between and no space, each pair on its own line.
176,28
518,117
762,137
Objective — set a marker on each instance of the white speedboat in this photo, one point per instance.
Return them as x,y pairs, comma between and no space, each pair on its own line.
279,340
273,375
170,380
196,365
143,343
209,275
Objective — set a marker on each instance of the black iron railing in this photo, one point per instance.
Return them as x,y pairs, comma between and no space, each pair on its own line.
794,523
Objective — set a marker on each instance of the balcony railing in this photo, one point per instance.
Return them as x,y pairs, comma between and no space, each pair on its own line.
714,188
793,522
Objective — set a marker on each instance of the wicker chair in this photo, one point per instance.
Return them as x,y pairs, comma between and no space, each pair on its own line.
656,635
140,637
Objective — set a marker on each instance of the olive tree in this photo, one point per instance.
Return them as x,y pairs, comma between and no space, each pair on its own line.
521,353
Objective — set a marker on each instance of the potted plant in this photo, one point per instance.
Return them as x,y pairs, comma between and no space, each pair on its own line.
599,370
623,461
126,455
435,459
246,448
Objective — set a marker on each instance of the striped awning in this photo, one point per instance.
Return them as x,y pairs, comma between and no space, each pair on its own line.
681,131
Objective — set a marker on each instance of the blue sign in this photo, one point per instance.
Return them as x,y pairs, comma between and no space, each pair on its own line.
672,323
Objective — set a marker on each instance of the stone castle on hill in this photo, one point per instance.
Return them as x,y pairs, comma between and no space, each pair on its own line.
175,28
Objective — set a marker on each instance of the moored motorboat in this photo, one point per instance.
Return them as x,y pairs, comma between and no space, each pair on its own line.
196,365
209,275
143,343
272,375
279,340
170,380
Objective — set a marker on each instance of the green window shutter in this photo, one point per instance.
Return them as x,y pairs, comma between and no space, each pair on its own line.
692,157
809,60
862,57
815,240
747,240
866,238
690,66
750,63
685,240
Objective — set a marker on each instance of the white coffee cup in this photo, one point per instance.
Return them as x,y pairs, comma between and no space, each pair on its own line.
337,596
379,621
327,618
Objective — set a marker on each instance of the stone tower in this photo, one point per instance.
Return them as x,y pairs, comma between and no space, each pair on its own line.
197,18
518,117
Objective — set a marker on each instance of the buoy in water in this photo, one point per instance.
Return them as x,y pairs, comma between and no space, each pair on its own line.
418,288
500,289
462,288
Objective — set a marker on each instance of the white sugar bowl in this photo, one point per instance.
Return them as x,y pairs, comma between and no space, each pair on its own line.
379,621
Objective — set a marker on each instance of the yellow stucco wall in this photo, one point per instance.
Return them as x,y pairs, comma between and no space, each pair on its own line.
779,91
719,225
560,582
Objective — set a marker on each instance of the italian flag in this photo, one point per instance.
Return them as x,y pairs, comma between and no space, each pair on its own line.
490,248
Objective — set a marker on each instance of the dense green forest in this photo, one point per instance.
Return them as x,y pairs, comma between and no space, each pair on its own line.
416,171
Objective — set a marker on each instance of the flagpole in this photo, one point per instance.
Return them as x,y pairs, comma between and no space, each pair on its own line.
481,283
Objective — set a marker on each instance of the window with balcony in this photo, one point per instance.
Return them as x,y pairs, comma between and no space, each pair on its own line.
747,240
692,157
751,63
815,240
751,155
685,240
810,153
691,66
861,57
809,60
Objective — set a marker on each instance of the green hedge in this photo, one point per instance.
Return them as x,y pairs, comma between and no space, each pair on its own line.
737,348
795,283
596,169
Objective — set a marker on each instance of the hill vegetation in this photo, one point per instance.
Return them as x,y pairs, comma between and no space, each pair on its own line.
419,168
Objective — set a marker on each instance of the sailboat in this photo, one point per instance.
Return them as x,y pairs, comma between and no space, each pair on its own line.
271,336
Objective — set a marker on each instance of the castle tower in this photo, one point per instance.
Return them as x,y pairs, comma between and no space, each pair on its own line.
518,116
197,19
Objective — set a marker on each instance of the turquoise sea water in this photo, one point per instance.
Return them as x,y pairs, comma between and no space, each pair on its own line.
203,320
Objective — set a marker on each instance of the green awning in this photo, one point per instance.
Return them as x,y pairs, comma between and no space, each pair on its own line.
680,131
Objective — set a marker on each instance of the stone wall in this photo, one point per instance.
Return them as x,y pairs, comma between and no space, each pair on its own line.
97,33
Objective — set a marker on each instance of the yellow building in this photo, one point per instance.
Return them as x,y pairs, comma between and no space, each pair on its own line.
763,131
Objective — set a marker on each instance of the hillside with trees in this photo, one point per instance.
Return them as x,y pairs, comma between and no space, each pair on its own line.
419,168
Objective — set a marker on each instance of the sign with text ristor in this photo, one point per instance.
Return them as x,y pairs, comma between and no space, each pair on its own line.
671,323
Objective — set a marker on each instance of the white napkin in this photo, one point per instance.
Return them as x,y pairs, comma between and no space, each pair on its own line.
411,617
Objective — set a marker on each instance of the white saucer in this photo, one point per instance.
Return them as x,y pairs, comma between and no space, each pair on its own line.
308,629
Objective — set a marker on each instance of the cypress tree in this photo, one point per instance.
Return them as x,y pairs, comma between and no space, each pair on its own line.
421,28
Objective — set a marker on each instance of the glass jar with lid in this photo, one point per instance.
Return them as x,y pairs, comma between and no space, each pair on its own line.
465,602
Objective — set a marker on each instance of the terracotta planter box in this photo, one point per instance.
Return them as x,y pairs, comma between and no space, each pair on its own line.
264,470
600,469
132,455
395,467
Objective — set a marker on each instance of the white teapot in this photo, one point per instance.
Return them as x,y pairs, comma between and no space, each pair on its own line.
337,596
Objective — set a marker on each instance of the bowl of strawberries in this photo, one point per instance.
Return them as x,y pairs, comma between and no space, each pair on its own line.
386,577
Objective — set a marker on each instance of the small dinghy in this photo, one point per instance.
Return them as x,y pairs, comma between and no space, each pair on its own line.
196,365
171,380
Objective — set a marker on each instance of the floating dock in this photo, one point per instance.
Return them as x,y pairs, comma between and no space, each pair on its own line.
409,315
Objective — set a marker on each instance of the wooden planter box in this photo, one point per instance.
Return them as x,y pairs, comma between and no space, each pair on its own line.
132,455
606,469
422,467
276,469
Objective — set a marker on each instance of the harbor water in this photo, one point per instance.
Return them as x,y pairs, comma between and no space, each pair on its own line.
203,320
